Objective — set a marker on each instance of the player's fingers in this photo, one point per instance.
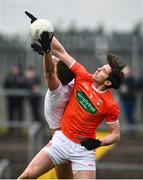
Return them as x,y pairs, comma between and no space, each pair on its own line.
33,18
51,38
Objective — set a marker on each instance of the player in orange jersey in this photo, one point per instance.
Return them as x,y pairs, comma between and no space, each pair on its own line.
90,103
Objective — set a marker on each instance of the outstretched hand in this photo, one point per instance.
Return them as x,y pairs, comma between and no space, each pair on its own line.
33,18
46,40
37,48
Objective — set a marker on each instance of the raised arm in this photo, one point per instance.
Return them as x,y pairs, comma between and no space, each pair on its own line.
59,51
52,42
49,64
50,72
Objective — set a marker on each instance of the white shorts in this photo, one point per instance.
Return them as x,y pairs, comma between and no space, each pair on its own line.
61,149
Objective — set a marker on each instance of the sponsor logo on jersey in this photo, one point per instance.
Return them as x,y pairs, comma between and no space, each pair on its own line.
85,102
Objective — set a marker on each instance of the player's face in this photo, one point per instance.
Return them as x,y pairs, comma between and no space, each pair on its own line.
102,73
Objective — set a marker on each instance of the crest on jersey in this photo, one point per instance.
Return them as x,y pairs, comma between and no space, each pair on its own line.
99,102
85,102
85,86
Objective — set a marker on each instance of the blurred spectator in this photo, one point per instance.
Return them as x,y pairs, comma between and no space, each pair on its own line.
33,85
14,80
127,94
140,83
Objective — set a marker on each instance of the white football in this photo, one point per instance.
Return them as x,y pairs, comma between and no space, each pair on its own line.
40,25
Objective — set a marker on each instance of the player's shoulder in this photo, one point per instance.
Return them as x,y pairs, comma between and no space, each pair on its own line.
77,66
109,99
57,90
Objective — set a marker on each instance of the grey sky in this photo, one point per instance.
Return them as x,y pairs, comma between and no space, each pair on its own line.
113,14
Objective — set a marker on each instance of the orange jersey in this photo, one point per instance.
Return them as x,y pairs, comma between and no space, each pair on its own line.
87,107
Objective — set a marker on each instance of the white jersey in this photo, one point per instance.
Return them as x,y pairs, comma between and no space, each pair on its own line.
55,103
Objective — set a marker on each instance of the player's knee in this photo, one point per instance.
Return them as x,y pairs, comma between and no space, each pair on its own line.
27,174
24,176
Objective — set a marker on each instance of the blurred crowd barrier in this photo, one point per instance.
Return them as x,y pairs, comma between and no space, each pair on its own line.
28,119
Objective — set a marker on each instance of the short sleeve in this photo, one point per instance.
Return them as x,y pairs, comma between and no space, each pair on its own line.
56,91
80,72
112,114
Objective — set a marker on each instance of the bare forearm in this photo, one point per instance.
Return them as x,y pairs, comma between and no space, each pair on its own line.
59,51
110,139
48,64
57,46
49,72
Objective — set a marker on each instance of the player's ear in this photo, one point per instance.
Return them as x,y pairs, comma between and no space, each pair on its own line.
107,83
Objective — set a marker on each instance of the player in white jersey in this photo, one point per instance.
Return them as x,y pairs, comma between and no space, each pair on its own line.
59,80
55,103
57,96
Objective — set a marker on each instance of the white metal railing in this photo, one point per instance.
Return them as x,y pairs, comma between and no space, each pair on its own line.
5,171
35,140
120,166
4,123
19,92
16,124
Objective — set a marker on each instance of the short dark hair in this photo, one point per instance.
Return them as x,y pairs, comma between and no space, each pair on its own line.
64,73
116,76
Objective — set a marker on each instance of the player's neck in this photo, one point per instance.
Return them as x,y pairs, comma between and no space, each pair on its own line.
99,87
